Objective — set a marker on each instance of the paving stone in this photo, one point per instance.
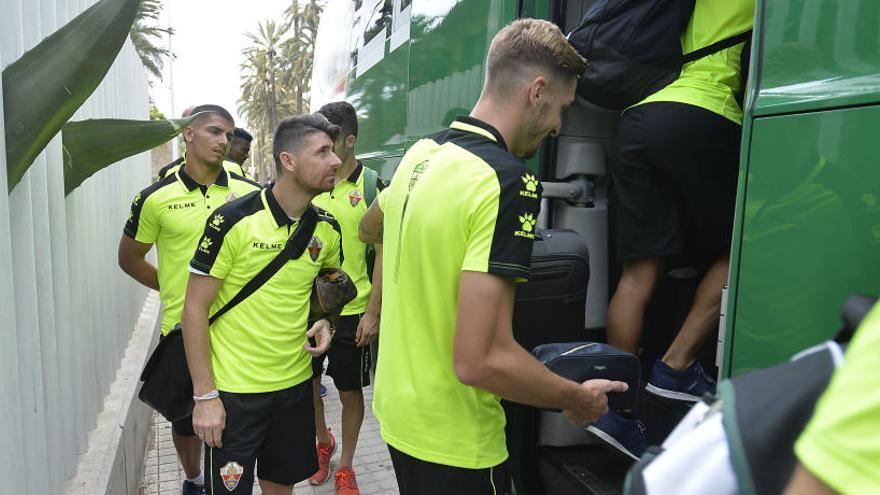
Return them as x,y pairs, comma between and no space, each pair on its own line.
162,474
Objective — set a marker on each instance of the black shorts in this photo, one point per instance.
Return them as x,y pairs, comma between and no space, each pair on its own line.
275,430
183,427
349,364
674,170
418,477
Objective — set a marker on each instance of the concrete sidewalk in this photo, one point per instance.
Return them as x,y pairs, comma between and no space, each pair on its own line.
162,474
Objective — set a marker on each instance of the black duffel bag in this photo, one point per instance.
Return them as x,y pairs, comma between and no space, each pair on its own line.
582,361
167,384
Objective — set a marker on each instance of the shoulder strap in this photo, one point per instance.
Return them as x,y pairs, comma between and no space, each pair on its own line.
292,250
371,177
716,47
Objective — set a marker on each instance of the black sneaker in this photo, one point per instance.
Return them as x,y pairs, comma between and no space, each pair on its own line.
685,385
623,435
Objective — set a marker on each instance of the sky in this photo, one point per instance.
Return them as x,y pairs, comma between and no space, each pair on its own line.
208,40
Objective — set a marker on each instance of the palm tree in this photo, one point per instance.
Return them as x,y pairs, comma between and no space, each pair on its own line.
299,49
144,34
276,74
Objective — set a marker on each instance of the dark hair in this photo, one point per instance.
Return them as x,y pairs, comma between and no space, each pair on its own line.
291,132
212,109
341,113
243,134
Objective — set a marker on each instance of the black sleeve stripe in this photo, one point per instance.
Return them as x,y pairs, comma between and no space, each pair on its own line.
518,208
137,205
219,224
506,270
164,170
245,179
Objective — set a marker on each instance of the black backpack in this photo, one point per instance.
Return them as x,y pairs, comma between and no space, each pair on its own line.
633,49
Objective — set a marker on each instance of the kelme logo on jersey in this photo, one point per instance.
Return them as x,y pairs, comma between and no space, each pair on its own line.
528,225
531,186
315,246
205,245
354,197
216,221
231,474
137,199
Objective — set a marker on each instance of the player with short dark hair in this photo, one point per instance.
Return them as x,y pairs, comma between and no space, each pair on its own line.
252,369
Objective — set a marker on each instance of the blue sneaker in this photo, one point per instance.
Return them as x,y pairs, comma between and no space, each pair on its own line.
687,385
622,435
190,488
323,390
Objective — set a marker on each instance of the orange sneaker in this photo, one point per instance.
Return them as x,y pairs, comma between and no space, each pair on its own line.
325,452
346,484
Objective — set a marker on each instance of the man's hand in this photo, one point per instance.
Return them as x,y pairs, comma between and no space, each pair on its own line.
367,330
591,402
321,332
209,420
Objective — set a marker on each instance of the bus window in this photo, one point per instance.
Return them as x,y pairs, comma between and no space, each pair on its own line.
400,27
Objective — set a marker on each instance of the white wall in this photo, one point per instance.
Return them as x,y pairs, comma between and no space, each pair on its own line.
66,310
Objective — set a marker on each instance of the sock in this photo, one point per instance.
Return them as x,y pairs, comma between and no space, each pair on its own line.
198,480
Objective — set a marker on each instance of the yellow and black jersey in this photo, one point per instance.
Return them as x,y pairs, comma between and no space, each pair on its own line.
459,201
171,214
348,204
172,167
258,345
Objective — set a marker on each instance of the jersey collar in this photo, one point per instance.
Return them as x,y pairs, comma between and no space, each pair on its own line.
271,204
356,173
473,125
190,183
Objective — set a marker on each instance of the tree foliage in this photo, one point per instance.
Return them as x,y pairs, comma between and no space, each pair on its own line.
275,76
146,37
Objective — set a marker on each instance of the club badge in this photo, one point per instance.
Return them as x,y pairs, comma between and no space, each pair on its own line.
315,246
355,197
231,474
231,196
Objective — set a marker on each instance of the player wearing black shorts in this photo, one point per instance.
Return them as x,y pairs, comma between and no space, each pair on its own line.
349,356
252,373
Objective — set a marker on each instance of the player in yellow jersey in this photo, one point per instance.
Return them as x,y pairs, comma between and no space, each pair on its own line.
457,226
171,214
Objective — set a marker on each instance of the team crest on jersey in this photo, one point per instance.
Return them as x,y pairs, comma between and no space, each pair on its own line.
527,220
355,197
231,474
315,246
231,196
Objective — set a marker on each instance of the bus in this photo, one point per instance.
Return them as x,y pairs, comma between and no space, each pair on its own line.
807,219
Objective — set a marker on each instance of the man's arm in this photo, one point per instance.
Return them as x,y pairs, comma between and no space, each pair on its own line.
806,483
209,417
487,356
372,224
132,259
368,327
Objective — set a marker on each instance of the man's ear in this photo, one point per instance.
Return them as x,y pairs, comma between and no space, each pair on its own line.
537,89
288,161
350,140
188,134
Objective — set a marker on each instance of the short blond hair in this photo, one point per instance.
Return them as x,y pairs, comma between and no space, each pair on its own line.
532,43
